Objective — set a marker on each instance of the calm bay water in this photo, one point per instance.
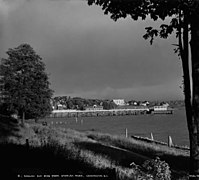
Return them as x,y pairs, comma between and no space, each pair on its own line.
161,126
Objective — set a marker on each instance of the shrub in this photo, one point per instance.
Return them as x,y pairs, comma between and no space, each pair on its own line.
158,169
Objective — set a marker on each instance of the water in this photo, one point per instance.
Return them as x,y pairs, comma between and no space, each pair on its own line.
161,126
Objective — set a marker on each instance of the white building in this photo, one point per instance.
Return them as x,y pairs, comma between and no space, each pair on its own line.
165,104
119,102
135,103
145,103
160,108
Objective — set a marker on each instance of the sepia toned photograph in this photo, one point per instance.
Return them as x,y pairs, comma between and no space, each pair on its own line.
99,89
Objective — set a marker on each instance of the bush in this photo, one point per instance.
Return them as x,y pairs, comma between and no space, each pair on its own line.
158,169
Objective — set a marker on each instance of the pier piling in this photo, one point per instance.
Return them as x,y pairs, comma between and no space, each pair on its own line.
170,142
152,137
126,132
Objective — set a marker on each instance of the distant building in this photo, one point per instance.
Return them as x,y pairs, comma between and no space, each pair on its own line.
60,107
160,108
165,104
145,103
119,102
133,103
94,108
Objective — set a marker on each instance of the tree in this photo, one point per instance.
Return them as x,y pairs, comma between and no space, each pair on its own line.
70,104
25,83
184,18
108,104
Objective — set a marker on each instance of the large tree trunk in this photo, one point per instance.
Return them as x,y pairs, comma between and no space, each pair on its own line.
194,123
184,53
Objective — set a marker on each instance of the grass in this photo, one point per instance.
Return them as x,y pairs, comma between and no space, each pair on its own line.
72,142
177,159
51,148
48,159
95,148
145,148
81,152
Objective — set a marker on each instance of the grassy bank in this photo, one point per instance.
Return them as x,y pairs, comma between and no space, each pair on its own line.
177,159
77,146
48,148
82,153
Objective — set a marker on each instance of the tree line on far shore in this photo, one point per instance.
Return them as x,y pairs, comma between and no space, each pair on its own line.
67,102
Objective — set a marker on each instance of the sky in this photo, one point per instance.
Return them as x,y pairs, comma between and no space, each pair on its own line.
89,55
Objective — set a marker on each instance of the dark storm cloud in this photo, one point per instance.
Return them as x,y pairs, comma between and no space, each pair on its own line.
88,54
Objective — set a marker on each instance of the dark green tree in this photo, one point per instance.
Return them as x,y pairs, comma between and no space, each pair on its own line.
108,104
70,104
184,22
25,83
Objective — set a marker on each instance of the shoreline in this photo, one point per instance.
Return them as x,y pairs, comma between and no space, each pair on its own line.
88,149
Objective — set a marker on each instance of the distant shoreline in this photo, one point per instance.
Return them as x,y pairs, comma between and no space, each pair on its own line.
104,110
95,113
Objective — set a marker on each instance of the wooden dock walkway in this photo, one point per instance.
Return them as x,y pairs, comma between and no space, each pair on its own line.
94,113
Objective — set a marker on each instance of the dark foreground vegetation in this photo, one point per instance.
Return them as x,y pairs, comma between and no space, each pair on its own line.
45,151
45,160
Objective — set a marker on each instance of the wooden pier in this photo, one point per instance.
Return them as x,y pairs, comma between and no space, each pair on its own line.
162,112
95,113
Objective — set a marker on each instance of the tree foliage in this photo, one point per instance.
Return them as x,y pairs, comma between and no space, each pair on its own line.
25,83
158,169
183,16
155,9
82,103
